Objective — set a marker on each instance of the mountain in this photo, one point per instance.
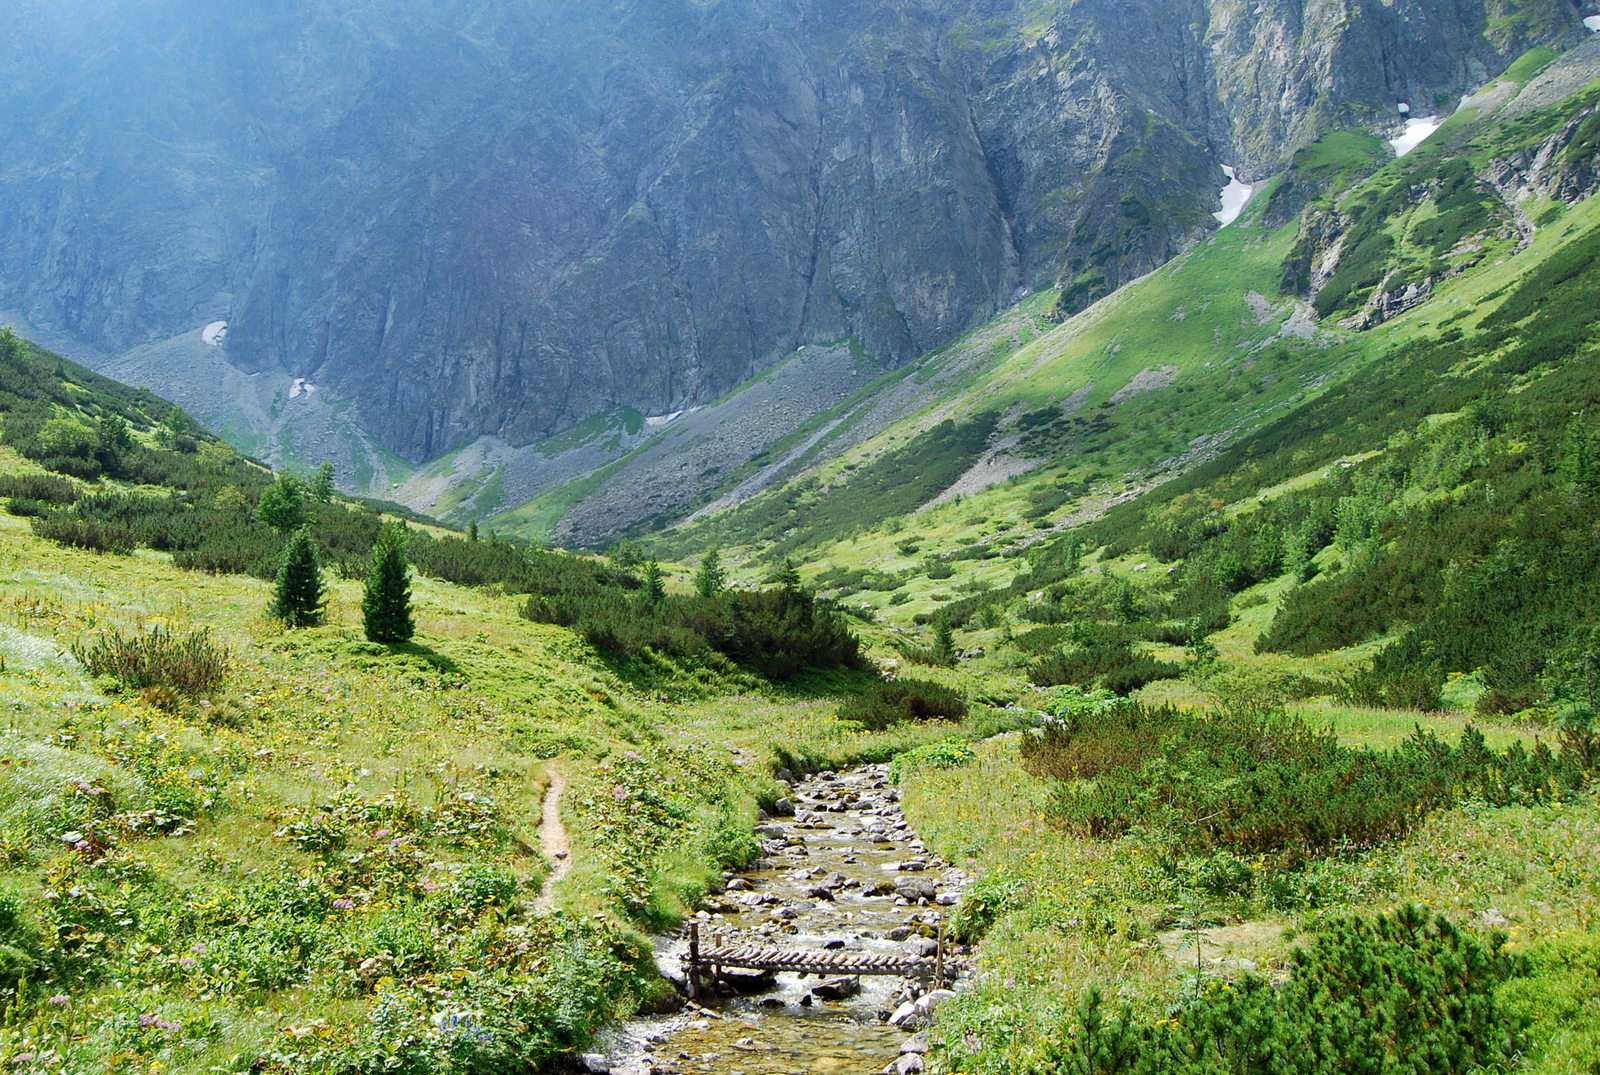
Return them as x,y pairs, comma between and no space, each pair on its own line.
1358,445
436,223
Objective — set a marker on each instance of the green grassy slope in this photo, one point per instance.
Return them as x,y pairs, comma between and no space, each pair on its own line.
1167,374
240,847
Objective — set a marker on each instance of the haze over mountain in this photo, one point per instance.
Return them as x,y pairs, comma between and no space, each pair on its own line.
452,220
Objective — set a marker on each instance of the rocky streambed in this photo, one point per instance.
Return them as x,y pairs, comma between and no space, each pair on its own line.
841,870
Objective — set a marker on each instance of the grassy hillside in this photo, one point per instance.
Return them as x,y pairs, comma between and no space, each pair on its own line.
231,845
1175,372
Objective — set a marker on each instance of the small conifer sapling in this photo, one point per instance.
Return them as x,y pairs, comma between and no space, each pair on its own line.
711,579
386,601
655,586
297,596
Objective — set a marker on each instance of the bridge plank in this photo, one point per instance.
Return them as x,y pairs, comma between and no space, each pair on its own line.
755,957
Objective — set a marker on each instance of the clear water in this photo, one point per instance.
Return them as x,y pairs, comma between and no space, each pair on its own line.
847,834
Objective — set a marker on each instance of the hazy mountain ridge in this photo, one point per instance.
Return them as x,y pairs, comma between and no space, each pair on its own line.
485,218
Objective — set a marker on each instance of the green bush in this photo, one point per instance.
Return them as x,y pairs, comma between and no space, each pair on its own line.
1112,665
190,663
41,487
777,633
1258,782
18,946
943,755
900,700
1399,992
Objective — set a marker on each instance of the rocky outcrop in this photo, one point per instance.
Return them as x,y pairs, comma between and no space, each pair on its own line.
1388,303
495,218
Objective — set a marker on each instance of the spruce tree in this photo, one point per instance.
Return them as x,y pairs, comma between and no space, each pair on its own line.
386,602
321,489
297,597
710,579
655,587
794,591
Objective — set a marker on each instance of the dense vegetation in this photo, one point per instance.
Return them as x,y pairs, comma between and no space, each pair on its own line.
1470,535
775,632
901,700
1402,992
216,512
295,849
1263,782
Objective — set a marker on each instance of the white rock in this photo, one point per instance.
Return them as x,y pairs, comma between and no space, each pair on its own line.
909,1064
906,1011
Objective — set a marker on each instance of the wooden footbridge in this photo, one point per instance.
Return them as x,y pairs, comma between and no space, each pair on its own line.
711,960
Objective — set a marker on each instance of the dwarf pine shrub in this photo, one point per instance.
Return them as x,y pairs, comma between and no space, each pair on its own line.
190,663
900,700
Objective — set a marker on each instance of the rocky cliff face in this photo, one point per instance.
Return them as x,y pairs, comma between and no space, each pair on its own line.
496,217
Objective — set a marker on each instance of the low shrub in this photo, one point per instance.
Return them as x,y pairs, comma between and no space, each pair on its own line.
191,663
945,755
1363,992
1260,782
91,534
777,633
22,507
43,487
1110,665
900,700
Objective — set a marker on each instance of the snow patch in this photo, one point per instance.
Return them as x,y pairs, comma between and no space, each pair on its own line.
214,333
1417,132
301,385
1405,109
660,420
1593,23
1235,196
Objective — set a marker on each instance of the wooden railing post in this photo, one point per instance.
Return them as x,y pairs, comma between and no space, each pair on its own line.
938,965
694,959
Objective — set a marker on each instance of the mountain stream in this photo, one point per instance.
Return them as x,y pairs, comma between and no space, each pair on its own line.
845,872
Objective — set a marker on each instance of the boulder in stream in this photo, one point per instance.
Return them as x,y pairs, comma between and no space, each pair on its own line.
837,988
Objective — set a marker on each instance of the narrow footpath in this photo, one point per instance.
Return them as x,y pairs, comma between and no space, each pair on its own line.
553,841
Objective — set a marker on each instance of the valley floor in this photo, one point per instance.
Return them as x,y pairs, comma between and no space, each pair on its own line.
335,862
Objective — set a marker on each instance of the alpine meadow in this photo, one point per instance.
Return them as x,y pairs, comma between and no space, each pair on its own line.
732,537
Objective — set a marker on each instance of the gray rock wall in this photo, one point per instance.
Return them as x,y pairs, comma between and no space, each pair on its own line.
496,217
